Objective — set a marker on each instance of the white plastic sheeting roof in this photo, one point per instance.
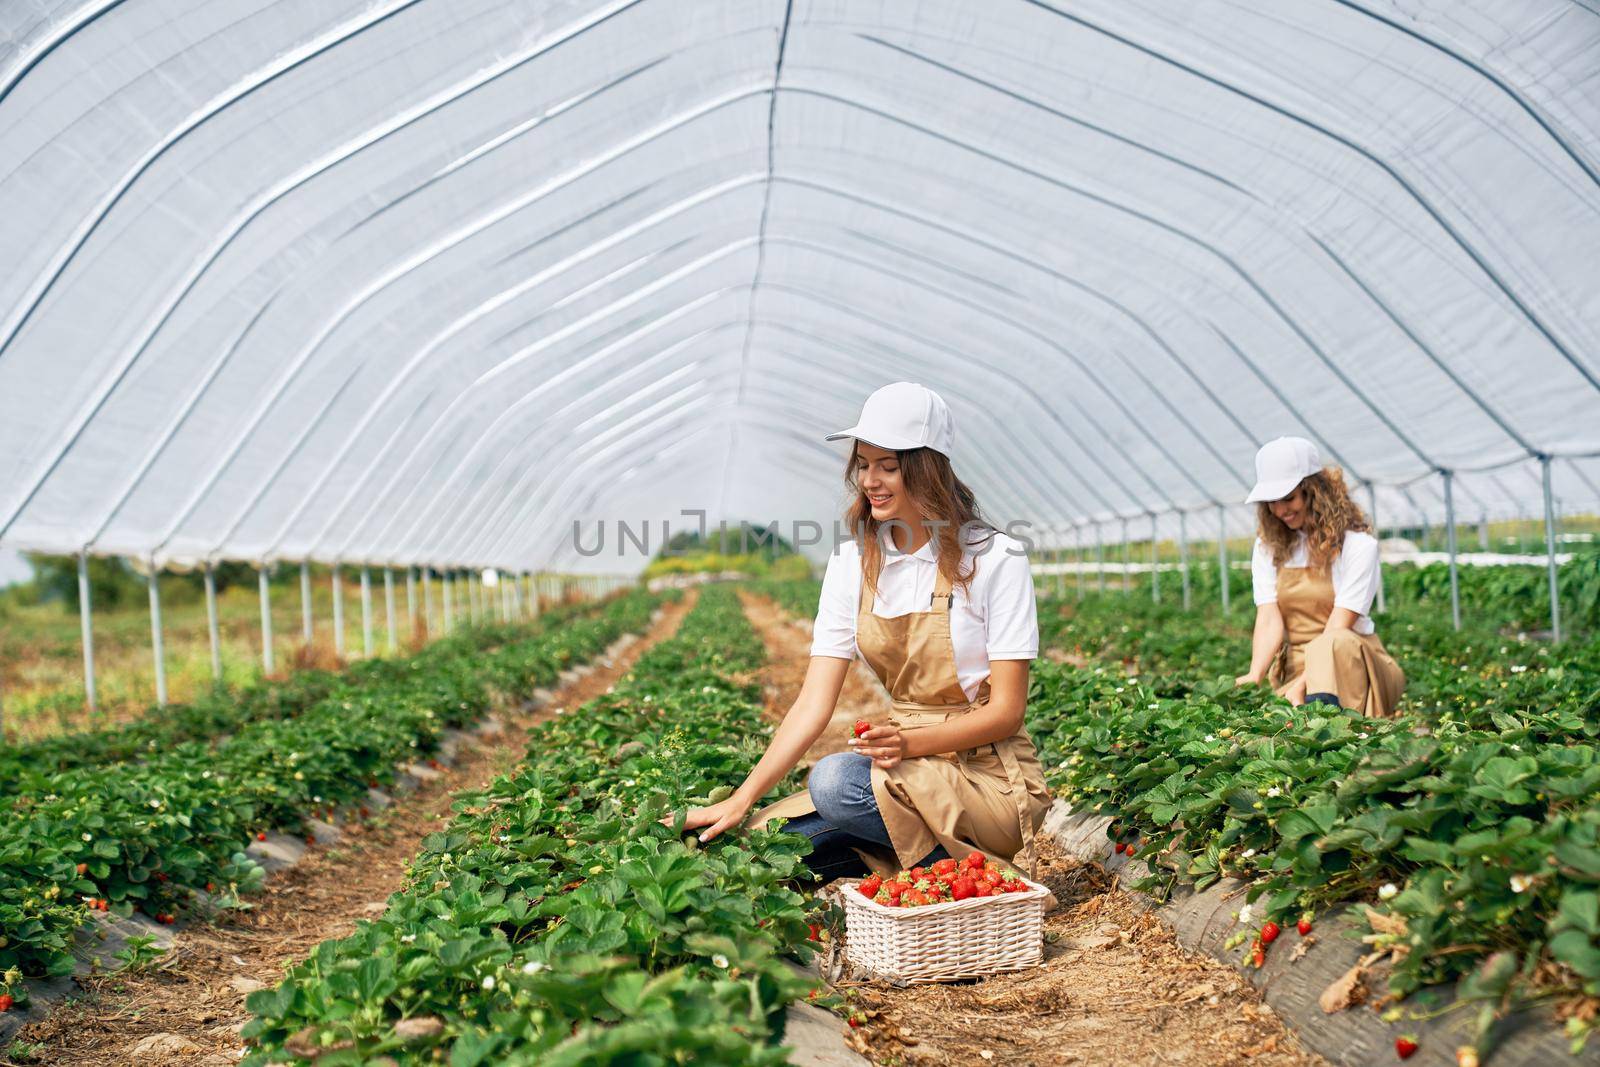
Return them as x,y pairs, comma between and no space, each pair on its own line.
414,281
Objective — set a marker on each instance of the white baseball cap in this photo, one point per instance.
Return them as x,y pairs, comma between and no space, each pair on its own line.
903,415
1281,464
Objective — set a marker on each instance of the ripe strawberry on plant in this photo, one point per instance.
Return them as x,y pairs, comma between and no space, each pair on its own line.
1405,1047
6,1000
1269,932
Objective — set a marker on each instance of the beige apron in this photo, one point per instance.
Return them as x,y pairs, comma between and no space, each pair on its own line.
1355,667
991,798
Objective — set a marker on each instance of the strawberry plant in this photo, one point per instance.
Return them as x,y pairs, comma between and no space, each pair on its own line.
142,835
555,920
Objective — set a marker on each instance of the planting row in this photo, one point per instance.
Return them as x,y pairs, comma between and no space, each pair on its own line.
1467,827
556,921
223,710
145,835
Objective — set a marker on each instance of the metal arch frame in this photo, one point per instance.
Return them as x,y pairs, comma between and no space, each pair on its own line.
526,519
550,422
735,183
516,492
1174,230
1333,135
1488,75
840,99
415,261
394,382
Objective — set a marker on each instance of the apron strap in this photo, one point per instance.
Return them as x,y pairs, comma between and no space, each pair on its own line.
940,600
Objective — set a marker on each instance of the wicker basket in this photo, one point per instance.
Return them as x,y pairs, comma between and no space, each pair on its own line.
945,942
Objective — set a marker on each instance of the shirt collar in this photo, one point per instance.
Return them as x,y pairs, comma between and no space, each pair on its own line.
928,553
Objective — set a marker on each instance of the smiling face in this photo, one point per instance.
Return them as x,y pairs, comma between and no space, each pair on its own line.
1291,510
878,476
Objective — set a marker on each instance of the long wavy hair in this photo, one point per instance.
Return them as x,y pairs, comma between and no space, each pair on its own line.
1330,514
937,494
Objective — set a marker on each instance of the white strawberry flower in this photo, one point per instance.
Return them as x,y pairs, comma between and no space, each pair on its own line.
534,967
1244,915
1521,883
1247,853
1274,792
488,981
1388,891
720,960
1210,738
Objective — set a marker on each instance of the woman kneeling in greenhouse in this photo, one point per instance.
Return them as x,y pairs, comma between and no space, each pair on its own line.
940,605
1315,573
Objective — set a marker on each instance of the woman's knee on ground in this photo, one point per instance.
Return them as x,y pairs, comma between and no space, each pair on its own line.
838,785
1336,642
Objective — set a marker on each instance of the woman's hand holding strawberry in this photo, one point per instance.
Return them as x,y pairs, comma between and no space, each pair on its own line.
885,745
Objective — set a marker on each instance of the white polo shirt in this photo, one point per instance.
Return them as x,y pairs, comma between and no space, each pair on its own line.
1354,574
996,620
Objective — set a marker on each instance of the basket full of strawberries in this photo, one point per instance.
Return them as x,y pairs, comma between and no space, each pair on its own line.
951,920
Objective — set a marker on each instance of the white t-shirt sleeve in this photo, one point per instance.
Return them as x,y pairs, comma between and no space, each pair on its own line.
1263,574
1356,583
1011,618
834,632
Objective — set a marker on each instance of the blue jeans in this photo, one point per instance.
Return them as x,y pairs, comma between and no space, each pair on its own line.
847,816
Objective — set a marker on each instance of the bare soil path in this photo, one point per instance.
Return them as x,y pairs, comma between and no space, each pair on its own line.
1115,987
189,1007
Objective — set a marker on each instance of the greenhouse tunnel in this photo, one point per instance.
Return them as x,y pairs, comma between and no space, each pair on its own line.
411,283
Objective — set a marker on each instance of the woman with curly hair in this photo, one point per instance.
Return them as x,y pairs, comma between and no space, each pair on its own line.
1315,573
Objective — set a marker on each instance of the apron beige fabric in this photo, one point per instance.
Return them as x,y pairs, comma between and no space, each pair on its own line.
991,798
1355,667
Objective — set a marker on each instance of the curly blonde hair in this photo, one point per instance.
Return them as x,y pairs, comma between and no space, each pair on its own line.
1330,514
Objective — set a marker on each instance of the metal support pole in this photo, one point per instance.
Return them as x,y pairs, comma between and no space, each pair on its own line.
1550,551
266,620
449,600
1483,532
1222,553
366,611
533,596
1450,546
86,623
1155,573
211,622
411,599
1183,555
1100,557
514,591
1377,531
338,612
427,603
388,607
1077,537
1127,559
307,630
153,580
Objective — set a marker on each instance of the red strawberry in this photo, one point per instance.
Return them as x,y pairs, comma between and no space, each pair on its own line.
984,890
261,835
870,884
1269,932
918,873
853,1021
161,876
913,898
211,887
83,869
1304,926
944,866
962,888
862,726
814,931
6,1000
1119,846
1405,1047
1258,956
976,861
